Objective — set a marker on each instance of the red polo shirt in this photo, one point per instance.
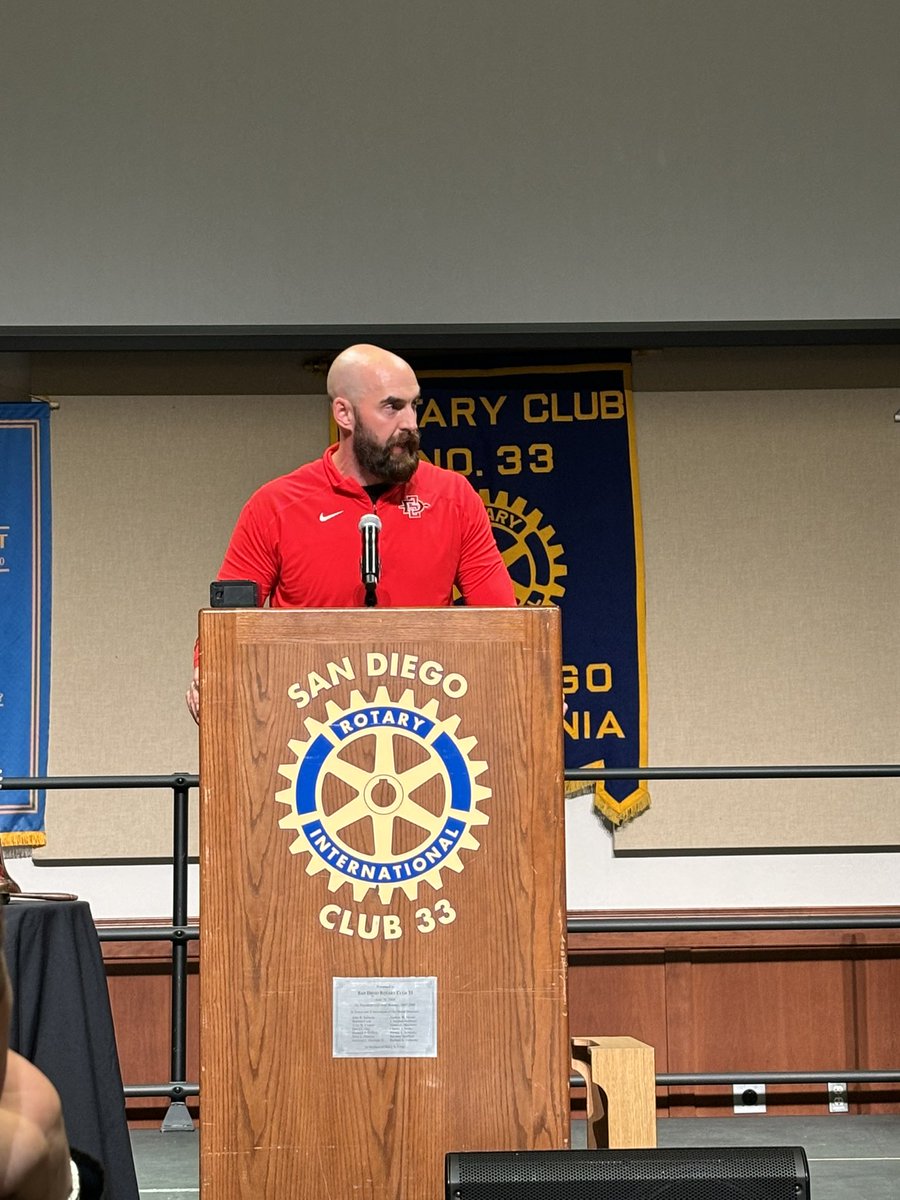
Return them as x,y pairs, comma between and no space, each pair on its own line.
298,537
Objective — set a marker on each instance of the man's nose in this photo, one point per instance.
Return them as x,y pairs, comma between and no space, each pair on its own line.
408,418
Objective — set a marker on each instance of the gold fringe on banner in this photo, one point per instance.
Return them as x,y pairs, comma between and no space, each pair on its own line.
616,811
23,838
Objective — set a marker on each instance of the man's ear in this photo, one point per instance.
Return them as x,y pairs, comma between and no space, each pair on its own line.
342,411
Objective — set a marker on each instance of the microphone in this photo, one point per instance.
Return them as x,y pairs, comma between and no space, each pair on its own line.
370,563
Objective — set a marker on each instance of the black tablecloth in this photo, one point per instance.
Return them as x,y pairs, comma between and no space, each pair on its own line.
63,1024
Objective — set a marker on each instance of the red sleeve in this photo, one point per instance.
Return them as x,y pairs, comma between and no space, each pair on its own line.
252,552
482,577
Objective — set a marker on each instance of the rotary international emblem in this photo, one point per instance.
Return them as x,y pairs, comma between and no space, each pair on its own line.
383,795
528,546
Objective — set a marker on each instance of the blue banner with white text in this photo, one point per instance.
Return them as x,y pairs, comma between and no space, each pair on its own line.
551,451
24,615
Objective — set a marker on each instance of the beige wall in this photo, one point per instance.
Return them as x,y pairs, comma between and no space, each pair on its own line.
770,487
770,496
145,491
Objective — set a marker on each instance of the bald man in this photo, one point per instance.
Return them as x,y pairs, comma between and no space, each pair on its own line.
298,536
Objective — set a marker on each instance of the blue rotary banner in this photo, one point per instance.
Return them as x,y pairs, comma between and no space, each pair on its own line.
552,452
24,615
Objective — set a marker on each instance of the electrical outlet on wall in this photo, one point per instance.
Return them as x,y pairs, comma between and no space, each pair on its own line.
749,1097
837,1098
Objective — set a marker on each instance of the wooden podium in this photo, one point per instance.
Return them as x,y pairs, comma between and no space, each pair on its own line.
383,958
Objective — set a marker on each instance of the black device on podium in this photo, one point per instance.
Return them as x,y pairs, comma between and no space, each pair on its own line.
722,1173
234,593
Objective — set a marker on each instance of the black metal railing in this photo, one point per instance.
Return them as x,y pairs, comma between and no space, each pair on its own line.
180,933
735,923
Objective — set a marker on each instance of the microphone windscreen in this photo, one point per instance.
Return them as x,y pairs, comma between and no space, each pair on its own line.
369,521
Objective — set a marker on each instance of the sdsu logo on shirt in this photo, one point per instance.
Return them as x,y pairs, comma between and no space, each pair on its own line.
413,506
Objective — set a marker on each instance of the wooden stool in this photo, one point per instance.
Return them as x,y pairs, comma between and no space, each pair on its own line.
620,1076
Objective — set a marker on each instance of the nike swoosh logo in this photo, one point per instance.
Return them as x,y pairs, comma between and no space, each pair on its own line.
328,516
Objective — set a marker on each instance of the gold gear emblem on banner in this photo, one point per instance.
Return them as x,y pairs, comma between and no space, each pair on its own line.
383,795
530,554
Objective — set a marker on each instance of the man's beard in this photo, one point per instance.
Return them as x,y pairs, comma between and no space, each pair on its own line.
382,461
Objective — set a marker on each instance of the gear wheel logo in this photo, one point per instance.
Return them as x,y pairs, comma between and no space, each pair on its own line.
383,795
527,547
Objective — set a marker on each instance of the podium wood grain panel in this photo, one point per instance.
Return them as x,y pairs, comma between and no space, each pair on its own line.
280,1115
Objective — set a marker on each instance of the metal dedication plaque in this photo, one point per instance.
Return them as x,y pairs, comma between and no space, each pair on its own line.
384,1018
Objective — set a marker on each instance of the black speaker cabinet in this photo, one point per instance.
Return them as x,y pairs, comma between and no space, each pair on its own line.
726,1173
